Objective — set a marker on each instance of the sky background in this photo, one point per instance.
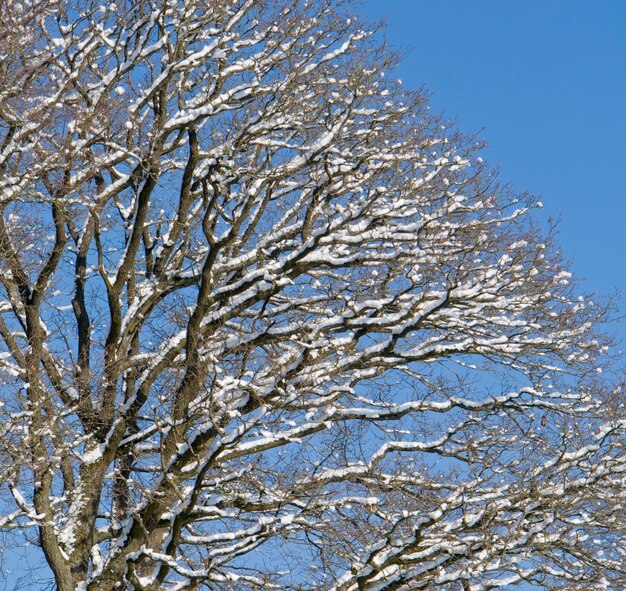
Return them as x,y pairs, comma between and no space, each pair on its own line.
545,83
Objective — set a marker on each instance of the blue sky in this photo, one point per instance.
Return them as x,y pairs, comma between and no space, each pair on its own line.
545,81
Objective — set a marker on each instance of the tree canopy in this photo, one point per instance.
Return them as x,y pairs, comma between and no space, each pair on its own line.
267,323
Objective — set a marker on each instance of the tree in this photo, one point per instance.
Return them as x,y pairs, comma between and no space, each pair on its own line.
267,324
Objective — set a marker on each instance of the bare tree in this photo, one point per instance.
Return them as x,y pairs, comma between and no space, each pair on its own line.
266,324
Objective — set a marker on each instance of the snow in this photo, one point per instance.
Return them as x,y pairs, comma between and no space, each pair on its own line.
94,454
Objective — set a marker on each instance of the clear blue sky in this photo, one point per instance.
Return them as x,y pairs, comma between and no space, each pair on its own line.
546,82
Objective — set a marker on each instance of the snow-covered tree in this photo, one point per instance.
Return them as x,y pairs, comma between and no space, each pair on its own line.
267,324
